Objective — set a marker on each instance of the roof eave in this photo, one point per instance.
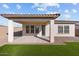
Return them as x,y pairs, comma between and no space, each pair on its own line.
23,16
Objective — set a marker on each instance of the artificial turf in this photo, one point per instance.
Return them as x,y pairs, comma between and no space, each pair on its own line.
71,49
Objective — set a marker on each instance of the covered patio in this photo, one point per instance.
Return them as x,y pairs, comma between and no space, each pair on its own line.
33,19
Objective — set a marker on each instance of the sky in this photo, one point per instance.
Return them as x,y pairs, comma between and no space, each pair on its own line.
68,11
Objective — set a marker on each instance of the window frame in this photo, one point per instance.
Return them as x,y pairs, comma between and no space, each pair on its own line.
59,30
66,30
63,30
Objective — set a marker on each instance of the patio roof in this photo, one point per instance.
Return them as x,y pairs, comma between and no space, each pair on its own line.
30,16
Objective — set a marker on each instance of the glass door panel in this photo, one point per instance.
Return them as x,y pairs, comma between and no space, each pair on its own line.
27,28
37,29
32,28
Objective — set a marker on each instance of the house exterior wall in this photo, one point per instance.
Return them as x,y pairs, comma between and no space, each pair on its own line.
47,30
71,30
34,22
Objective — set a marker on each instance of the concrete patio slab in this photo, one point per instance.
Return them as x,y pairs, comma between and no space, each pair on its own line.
28,40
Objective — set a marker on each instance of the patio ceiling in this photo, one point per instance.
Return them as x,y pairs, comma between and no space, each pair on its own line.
33,22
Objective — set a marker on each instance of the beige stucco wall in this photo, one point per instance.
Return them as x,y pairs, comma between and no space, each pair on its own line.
47,30
71,30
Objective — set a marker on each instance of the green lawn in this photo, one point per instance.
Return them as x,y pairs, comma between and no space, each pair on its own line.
40,50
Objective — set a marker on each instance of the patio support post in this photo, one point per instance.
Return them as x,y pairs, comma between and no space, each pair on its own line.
10,31
52,31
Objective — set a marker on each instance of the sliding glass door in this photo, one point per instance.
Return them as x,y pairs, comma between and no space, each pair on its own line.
35,29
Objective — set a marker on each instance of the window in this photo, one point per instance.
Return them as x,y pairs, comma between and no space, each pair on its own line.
63,29
60,29
66,29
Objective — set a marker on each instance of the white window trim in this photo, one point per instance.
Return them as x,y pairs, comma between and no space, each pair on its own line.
58,29
63,29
